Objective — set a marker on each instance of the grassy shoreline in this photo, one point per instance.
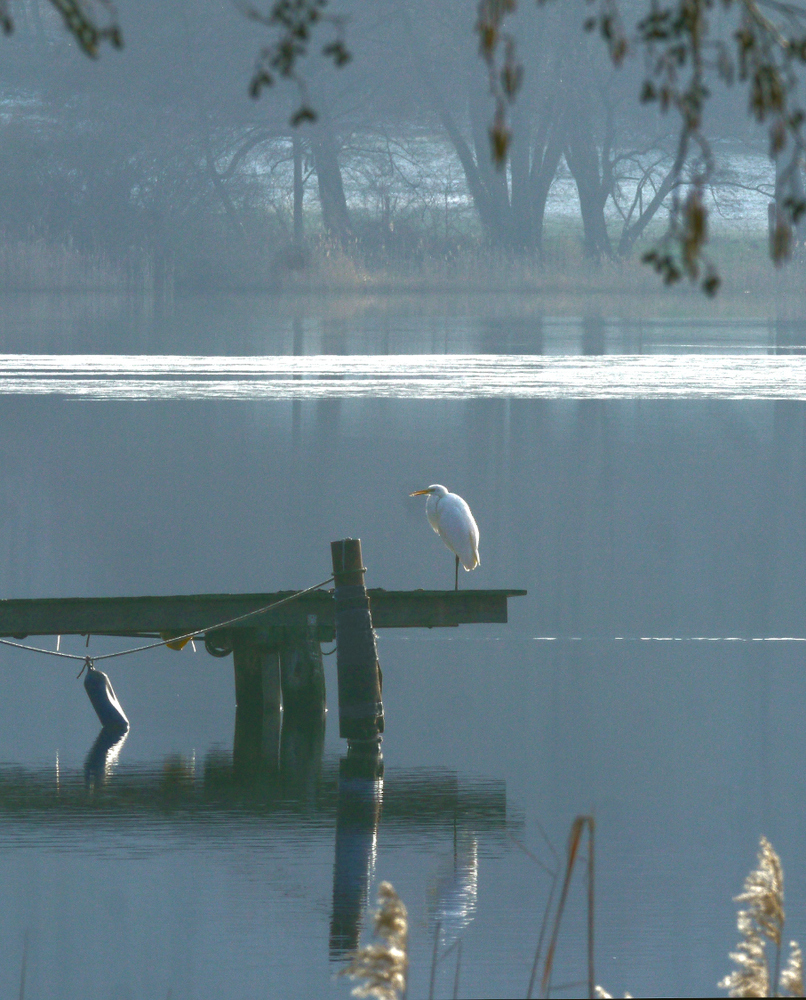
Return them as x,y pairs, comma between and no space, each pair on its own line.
562,283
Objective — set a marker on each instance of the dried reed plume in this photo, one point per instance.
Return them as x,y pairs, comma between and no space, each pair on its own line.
792,976
760,923
384,966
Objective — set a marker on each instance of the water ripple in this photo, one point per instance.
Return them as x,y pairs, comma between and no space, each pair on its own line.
400,376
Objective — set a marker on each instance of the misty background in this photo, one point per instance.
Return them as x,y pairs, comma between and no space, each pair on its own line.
153,167
652,676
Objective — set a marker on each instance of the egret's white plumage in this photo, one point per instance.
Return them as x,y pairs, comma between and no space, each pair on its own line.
451,518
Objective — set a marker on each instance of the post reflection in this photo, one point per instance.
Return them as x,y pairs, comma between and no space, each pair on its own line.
358,812
257,747
299,795
280,759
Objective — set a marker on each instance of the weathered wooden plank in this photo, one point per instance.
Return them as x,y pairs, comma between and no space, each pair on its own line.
180,614
438,608
131,615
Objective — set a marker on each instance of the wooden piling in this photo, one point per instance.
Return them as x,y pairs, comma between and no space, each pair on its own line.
258,700
257,675
302,671
359,673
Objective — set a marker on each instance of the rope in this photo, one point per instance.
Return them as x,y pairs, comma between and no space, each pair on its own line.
88,661
36,649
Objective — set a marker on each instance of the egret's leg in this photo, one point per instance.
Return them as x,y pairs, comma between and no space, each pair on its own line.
456,580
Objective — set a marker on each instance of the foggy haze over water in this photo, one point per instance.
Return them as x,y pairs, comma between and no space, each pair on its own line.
227,341
624,518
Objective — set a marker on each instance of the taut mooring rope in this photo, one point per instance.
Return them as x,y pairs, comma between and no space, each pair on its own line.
89,661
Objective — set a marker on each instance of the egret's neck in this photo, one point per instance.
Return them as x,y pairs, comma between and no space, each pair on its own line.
431,510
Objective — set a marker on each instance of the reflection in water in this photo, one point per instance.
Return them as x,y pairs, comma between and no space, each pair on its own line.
103,756
788,336
454,892
593,375
298,786
295,792
295,786
593,335
302,744
357,815
276,762
257,747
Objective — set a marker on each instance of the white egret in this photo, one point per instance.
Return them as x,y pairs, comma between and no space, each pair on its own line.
450,517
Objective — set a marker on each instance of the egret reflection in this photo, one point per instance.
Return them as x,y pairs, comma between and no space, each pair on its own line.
352,803
453,894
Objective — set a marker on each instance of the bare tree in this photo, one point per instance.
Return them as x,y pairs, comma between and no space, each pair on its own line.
685,50
681,51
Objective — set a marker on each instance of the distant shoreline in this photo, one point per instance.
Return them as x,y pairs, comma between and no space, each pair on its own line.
562,282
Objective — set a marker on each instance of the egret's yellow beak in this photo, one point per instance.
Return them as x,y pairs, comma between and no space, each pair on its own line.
419,493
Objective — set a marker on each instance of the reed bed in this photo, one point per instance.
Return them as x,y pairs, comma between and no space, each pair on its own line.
564,281
382,967
760,923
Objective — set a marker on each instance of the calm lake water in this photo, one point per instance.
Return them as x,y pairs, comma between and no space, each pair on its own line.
645,482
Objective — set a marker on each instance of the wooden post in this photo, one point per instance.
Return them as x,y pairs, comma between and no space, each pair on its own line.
258,696
302,671
359,673
257,675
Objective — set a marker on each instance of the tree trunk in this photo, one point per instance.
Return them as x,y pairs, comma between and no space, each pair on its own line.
593,175
299,190
582,158
523,233
335,217
493,178
510,206
474,172
546,153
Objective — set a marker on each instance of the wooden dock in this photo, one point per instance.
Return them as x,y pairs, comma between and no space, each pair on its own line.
277,651
139,617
